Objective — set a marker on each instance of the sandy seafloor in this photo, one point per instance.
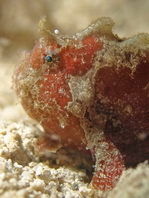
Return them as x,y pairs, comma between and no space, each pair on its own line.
24,172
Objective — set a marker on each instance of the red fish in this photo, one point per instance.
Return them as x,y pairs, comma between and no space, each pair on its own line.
90,90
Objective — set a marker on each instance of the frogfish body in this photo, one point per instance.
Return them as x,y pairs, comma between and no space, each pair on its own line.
90,90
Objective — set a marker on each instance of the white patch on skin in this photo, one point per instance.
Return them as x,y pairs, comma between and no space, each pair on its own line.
62,91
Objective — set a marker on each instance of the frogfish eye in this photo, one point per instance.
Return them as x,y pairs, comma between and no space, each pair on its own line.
48,59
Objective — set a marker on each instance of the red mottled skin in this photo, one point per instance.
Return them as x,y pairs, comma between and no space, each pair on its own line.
120,95
54,88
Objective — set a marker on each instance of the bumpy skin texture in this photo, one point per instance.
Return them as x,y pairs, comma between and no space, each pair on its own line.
94,93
